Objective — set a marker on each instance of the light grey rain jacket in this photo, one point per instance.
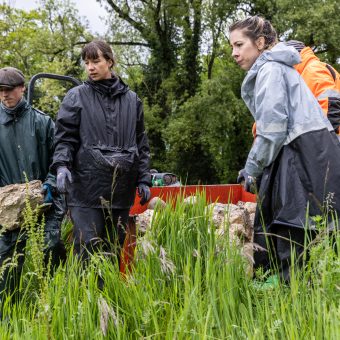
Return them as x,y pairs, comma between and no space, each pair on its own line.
281,103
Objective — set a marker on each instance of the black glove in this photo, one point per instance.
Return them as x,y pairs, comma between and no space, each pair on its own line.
63,176
249,182
47,191
144,193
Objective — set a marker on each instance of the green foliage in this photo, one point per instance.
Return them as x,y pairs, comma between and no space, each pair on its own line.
44,40
180,111
208,139
175,55
172,32
34,228
313,22
187,283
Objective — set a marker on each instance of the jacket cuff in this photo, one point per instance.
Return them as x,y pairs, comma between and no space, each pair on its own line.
50,180
54,167
253,170
145,180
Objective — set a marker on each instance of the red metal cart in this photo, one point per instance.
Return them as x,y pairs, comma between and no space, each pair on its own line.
223,193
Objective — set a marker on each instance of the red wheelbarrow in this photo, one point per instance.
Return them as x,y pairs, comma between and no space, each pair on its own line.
223,193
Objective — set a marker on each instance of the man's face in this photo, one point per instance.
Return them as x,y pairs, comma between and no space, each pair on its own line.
10,97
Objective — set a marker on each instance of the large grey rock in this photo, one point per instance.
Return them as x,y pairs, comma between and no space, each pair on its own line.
221,213
13,202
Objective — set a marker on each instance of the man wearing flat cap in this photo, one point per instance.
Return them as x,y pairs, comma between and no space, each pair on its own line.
26,149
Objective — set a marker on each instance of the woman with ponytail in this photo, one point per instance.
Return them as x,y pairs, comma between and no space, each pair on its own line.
294,162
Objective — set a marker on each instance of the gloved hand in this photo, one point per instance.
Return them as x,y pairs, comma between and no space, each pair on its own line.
249,182
46,190
63,176
144,193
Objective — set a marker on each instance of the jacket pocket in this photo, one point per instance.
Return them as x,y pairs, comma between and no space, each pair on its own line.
111,159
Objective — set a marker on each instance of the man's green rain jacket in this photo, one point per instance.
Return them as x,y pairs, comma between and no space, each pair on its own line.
26,145
26,150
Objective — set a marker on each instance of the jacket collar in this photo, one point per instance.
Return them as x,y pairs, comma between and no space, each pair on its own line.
109,87
7,115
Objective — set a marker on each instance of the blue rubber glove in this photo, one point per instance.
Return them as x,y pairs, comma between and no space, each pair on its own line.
249,182
144,193
64,178
47,192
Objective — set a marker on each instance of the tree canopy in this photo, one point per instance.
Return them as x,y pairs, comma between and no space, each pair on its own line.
175,54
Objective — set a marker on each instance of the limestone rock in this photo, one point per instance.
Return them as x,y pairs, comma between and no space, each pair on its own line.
250,207
13,202
190,200
156,201
235,217
218,211
238,224
248,252
144,220
221,212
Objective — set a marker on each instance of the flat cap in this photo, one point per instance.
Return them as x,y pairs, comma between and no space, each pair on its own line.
298,45
11,77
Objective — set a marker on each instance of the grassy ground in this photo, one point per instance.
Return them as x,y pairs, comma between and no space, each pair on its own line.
186,284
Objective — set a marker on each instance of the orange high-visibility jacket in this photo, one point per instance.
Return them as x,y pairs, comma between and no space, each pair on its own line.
320,81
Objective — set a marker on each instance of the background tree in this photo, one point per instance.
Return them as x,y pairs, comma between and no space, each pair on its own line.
172,32
315,23
175,55
48,39
208,138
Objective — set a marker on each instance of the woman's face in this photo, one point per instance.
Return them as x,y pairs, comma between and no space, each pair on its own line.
99,68
245,51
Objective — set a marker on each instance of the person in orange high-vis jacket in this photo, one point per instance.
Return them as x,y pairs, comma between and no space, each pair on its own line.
322,79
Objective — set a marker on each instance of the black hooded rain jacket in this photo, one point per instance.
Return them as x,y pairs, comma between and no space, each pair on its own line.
100,137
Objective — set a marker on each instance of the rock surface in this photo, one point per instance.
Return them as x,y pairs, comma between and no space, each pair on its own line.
237,223
144,220
13,202
155,202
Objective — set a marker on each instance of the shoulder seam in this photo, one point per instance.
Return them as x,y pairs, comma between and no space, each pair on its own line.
39,111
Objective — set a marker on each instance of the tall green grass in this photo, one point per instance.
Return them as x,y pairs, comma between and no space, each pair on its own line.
187,283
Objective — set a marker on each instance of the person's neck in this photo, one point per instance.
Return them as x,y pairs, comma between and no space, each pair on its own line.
15,108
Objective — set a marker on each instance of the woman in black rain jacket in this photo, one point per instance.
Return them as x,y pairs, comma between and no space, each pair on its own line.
101,152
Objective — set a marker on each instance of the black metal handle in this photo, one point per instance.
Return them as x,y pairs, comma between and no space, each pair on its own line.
31,83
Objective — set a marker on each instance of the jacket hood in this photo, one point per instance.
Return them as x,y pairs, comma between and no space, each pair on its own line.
280,53
109,87
307,56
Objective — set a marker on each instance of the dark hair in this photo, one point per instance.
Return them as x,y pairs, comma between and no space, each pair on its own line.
255,27
90,51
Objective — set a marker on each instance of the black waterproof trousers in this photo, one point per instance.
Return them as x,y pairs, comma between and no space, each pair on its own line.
282,245
96,230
